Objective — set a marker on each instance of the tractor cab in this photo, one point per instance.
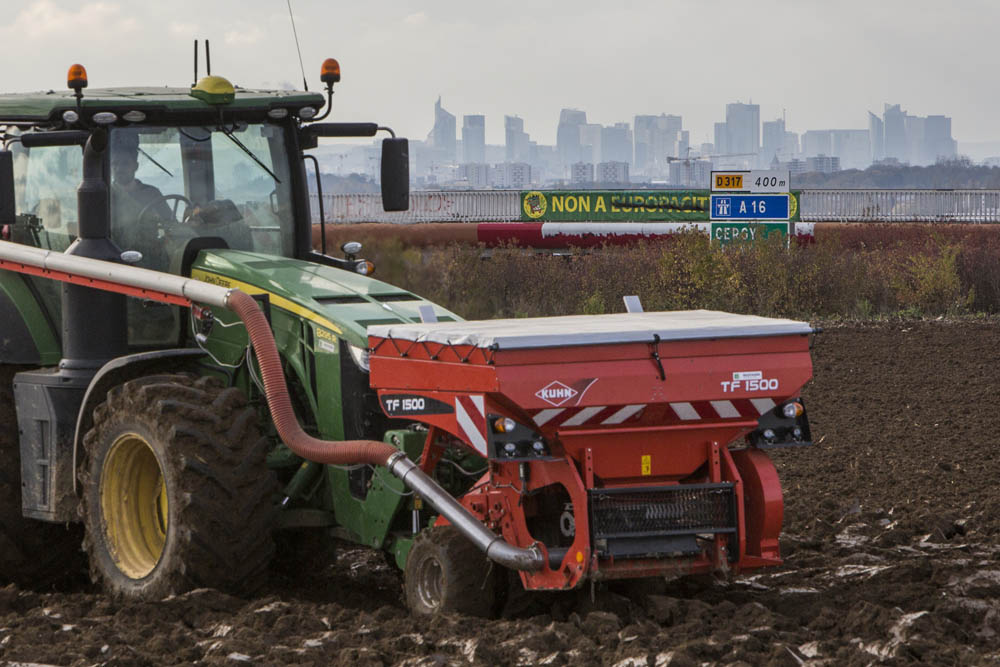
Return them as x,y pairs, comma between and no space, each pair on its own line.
210,167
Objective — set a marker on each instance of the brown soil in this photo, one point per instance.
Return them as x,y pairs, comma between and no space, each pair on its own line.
892,539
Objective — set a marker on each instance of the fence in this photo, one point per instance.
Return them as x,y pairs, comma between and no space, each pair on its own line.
900,205
431,206
976,206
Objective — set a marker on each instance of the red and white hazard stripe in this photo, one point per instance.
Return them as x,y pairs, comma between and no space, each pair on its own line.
736,409
595,414
603,415
470,413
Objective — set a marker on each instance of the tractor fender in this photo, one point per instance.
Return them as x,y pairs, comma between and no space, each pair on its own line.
117,371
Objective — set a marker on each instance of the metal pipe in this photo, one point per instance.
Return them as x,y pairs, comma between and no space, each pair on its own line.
494,546
276,390
131,276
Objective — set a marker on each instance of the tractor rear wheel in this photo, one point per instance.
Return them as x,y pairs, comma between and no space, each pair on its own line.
446,573
176,491
32,553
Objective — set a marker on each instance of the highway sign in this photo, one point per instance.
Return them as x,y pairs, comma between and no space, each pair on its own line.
731,181
749,207
732,232
757,181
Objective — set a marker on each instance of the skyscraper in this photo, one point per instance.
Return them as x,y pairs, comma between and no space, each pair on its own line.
568,135
590,143
743,128
442,137
894,132
937,138
616,143
773,141
721,139
474,139
517,140
656,139
876,136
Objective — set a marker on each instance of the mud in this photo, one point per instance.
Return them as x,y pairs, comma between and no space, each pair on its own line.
892,545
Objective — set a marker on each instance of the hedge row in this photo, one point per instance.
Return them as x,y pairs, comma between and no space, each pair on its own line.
862,274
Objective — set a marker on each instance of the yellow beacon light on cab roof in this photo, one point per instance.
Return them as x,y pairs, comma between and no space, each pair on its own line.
213,90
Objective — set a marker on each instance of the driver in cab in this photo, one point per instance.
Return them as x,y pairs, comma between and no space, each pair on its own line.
137,209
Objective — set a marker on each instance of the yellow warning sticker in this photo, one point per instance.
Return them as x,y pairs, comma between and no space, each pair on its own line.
647,464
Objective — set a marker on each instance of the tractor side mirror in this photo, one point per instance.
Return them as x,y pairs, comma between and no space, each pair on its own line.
395,174
7,211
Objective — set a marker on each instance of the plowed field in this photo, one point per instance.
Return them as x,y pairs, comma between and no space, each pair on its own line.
892,545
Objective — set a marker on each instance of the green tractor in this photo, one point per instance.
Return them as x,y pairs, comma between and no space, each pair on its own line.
143,420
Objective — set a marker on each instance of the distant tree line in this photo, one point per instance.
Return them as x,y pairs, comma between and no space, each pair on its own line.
955,174
340,185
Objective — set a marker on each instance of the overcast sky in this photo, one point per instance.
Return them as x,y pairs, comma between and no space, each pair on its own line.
824,63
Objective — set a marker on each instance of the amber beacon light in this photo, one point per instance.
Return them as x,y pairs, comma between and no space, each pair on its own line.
76,78
329,73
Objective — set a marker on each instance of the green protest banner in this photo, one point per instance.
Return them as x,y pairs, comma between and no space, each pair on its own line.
611,205
622,205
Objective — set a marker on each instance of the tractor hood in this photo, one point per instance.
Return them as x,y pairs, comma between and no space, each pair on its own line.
342,302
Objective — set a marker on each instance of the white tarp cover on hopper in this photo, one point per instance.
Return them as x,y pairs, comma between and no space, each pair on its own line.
591,329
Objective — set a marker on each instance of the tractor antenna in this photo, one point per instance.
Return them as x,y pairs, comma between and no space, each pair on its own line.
195,63
297,47
208,60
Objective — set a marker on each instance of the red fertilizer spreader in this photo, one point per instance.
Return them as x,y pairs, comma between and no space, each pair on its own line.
627,445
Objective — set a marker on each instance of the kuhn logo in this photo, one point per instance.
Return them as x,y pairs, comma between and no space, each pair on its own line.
556,393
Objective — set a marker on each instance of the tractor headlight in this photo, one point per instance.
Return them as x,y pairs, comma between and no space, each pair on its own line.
360,356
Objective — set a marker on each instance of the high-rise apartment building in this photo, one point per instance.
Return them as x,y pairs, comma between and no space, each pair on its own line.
474,139
614,172
581,173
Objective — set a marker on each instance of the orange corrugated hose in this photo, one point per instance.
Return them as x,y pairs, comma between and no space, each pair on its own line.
313,449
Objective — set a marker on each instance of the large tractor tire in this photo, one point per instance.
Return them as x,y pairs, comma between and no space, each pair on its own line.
176,493
32,553
446,573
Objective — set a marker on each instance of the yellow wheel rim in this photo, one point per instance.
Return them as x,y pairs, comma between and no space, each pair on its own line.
134,504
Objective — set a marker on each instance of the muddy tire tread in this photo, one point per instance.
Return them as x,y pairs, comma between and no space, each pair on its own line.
221,537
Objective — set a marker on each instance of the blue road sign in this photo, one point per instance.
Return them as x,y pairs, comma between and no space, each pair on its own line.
750,207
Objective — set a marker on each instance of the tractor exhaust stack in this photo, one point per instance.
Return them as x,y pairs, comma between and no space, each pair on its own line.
94,326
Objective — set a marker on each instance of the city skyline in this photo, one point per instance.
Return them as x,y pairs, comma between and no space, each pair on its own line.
652,149
822,62
658,148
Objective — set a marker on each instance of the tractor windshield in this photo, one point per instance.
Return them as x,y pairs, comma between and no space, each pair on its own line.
168,186
172,184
